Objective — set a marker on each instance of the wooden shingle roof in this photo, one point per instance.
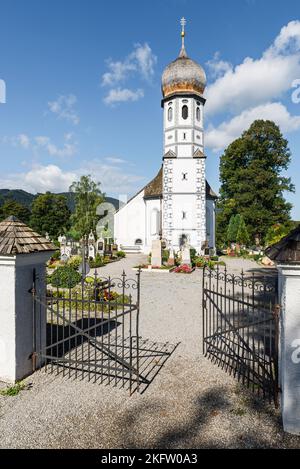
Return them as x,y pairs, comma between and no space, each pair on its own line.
18,238
287,250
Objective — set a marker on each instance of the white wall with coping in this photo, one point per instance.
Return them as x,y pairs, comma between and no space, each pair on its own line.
16,313
289,356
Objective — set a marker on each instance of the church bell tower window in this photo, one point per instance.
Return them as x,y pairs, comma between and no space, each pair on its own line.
198,115
170,114
185,112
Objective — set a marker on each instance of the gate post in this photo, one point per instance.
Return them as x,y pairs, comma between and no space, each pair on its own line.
22,251
286,253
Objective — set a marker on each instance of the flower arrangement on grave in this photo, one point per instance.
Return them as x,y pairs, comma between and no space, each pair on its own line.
183,269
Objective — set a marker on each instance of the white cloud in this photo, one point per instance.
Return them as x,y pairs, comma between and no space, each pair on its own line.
218,67
63,107
217,138
117,95
256,81
69,147
141,60
23,140
42,178
114,160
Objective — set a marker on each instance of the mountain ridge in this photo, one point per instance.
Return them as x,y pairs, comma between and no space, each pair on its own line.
26,198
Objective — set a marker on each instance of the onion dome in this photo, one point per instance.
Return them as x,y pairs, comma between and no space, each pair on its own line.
183,75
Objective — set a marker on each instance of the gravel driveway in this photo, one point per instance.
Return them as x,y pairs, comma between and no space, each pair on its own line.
191,403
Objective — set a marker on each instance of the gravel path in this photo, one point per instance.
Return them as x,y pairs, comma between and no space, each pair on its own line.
190,403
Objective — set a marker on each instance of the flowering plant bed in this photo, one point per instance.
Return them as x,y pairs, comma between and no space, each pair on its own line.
184,269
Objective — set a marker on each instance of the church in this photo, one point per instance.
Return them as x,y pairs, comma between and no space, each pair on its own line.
178,205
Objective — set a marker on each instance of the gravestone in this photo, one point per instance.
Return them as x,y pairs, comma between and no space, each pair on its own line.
171,260
91,251
156,253
185,255
101,247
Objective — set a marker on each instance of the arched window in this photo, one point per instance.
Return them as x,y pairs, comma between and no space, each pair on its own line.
170,114
138,241
185,112
198,114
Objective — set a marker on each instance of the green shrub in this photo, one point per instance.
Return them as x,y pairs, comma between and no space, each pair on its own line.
56,256
214,258
165,255
210,264
97,262
121,254
193,253
199,261
74,262
65,277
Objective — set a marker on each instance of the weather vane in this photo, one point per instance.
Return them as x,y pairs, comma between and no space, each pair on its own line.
183,23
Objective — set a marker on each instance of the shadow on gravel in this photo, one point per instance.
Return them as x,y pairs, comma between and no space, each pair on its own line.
204,428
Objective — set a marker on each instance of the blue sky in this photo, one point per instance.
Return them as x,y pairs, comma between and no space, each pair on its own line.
83,84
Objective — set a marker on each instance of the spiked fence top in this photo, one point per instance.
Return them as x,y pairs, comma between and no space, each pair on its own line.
18,238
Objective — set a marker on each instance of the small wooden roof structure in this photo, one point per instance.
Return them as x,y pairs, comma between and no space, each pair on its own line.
287,250
18,238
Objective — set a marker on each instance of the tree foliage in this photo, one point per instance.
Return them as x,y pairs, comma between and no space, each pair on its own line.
252,183
87,198
233,227
242,236
50,214
11,207
276,232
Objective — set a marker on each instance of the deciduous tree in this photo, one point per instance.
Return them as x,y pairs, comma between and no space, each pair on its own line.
50,214
252,183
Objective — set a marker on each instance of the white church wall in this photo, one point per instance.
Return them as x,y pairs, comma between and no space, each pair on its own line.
210,222
130,222
153,222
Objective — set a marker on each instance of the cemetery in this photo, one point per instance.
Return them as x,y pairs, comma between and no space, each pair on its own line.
98,350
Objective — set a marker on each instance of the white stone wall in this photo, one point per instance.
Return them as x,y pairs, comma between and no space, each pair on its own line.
7,320
17,313
289,362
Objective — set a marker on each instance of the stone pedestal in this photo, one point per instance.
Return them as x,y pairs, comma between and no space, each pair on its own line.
289,362
17,313
156,253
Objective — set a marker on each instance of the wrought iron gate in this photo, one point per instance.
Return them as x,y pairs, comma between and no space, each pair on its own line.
240,328
92,330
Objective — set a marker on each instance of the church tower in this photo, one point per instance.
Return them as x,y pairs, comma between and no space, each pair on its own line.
184,183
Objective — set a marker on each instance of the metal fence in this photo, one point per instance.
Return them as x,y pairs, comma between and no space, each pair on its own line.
92,329
240,327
